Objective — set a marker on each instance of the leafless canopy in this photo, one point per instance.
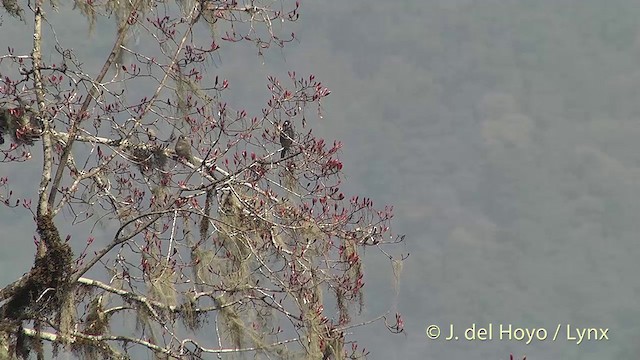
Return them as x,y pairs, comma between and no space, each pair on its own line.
219,244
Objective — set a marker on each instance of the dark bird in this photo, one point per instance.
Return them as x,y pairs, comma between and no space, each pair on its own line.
183,148
286,137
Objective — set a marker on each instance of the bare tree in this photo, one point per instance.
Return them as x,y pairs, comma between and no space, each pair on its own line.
230,232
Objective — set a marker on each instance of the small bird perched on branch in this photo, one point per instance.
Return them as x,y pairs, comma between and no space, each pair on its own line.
22,124
183,148
286,137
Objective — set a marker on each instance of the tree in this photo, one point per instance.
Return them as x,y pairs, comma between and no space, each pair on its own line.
222,243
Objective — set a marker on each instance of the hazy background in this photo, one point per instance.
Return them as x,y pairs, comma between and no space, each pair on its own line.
506,134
